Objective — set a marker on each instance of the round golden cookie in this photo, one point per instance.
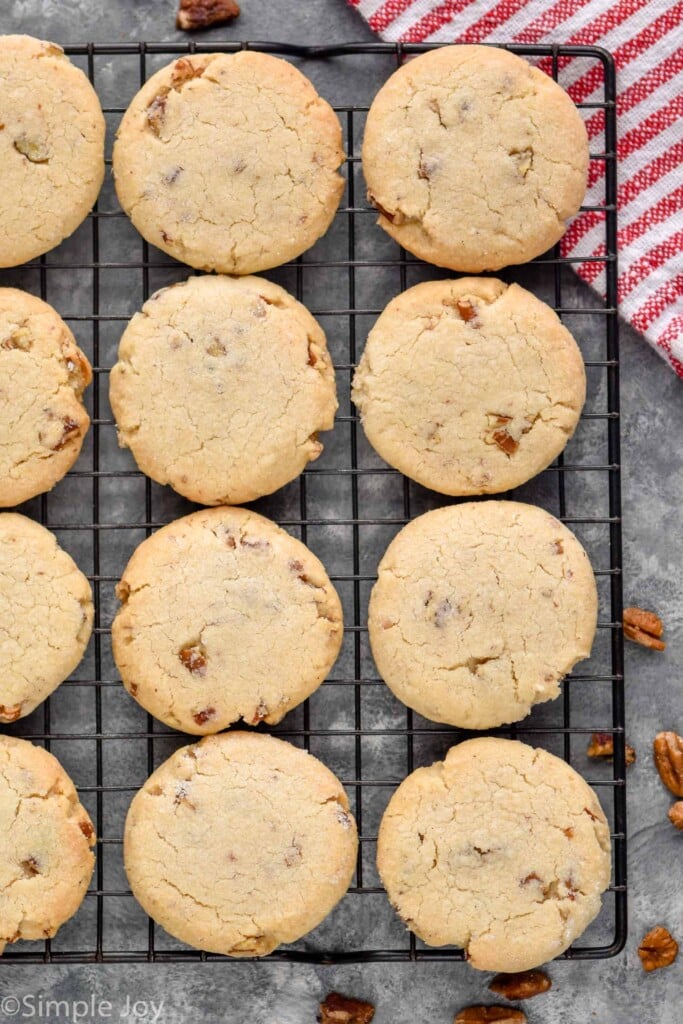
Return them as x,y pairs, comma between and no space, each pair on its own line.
51,148
501,849
229,162
43,374
46,612
474,159
239,843
46,838
479,610
493,380
221,387
224,616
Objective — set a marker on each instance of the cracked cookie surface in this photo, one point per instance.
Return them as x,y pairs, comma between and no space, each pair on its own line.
276,841
479,610
224,616
51,148
229,162
46,612
488,158
221,387
43,374
46,837
501,849
469,386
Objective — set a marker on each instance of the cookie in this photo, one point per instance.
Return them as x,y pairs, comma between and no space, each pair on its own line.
479,610
46,611
43,374
229,162
224,616
51,148
501,849
221,387
239,843
474,159
47,838
494,382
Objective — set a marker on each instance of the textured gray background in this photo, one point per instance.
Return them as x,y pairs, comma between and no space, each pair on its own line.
609,992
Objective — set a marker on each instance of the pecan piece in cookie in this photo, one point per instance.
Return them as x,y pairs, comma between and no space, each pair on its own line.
196,14
668,755
644,628
466,310
202,717
339,1009
10,713
523,985
658,949
489,1015
505,442
193,658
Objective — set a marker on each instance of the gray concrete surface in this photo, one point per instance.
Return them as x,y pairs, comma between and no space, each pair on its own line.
606,992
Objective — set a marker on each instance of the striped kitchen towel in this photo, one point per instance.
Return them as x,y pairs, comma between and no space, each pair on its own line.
646,39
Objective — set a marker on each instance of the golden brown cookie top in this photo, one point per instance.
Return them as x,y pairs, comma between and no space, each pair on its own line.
479,610
51,147
493,380
474,159
255,838
43,374
229,162
47,839
501,849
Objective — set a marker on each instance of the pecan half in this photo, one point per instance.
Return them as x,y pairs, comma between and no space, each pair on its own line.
523,985
658,949
668,755
488,1014
195,14
339,1009
644,628
676,815
602,745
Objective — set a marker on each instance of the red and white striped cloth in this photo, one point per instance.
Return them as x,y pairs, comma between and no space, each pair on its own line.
646,39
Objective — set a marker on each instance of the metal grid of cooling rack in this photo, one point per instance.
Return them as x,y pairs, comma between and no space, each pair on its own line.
105,507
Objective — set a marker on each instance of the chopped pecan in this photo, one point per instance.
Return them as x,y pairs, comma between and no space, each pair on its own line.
397,217
156,111
33,149
490,1014
676,815
668,755
644,628
196,14
602,745
505,442
184,70
193,658
523,985
658,949
339,1009
260,713
30,867
19,338
466,310
86,828
202,717
69,429
10,712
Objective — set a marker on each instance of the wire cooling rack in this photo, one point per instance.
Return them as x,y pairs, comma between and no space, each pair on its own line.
347,507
